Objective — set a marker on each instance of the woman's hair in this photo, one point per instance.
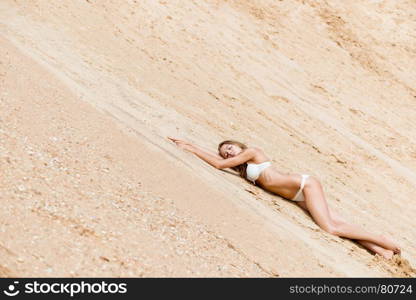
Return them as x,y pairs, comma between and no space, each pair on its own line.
241,169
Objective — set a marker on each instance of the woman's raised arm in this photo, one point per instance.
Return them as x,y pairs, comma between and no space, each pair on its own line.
210,157
215,160
223,163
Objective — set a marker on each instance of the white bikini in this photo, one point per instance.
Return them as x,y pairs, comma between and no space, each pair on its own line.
254,170
299,195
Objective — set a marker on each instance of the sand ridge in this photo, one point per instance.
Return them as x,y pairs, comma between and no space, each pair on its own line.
90,90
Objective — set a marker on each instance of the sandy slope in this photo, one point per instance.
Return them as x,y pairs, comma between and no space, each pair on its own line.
89,90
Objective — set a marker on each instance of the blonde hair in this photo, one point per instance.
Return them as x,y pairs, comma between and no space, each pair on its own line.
241,169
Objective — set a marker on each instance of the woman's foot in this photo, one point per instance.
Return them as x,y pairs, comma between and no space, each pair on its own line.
392,245
387,254
375,248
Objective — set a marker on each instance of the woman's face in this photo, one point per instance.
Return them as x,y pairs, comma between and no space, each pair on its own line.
229,150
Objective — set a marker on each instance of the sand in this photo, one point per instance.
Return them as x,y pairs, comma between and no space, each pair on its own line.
89,91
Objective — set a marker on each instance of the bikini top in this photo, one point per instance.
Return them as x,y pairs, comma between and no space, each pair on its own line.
254,170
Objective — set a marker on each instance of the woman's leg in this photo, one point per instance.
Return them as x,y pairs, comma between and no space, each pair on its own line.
377,249
369,245
386,253
318,208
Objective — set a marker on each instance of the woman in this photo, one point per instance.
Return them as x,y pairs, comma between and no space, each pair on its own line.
305,190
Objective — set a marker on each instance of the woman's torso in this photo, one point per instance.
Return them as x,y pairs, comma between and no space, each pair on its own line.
271,179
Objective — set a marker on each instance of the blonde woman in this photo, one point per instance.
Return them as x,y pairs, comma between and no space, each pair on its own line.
305,190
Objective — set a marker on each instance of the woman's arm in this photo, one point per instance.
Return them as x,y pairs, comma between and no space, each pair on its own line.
244,156
209,151
215,160
222,163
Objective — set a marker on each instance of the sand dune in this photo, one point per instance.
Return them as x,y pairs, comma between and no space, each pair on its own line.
89,90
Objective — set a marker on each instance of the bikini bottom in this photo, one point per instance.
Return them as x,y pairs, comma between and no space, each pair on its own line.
299,195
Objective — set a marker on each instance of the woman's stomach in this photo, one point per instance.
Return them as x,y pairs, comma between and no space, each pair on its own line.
285,185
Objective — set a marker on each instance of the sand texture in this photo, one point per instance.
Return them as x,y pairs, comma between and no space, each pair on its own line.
89,90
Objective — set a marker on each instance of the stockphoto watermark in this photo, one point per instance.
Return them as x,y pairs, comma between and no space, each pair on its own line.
16,287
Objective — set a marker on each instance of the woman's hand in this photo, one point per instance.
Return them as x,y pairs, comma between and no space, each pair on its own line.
182,144
178,141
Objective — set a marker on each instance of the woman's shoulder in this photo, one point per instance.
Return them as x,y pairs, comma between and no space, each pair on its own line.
258,153
255,149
